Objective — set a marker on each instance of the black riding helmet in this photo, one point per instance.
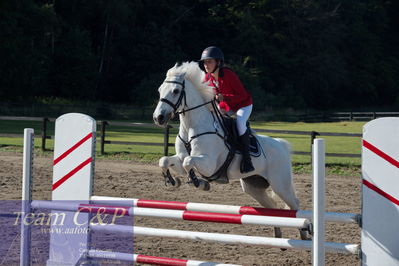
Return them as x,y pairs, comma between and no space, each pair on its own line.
211,52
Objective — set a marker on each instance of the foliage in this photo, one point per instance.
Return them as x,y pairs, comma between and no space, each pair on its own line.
299,53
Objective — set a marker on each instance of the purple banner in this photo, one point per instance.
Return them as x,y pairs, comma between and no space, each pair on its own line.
60,232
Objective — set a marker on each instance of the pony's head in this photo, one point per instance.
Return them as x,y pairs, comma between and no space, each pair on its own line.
173,91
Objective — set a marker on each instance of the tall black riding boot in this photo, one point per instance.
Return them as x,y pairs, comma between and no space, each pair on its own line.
246,163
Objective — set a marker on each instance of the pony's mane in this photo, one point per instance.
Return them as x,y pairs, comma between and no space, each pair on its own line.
195,75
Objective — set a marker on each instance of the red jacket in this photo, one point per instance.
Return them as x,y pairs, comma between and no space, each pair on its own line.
235,96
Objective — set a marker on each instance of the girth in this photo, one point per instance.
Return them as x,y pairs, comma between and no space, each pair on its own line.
222,169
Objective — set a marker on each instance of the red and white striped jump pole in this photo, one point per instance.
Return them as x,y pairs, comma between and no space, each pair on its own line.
173,214
219,208
150,259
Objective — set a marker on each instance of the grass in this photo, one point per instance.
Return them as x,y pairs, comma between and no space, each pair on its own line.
301,163
350,145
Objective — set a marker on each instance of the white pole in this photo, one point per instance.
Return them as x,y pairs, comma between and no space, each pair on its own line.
318,202
332,247
138,258
26,196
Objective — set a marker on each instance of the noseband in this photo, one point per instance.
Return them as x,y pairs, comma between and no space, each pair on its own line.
182,97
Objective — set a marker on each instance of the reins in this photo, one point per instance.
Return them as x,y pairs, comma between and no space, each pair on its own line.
182,97
187,144
189,109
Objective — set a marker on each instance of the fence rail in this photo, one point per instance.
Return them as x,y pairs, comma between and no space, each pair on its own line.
360,116
337,116
166,144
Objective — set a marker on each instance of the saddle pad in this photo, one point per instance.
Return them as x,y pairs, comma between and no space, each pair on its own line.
254,149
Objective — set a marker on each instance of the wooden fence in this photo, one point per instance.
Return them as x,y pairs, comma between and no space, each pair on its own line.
312,135
359,116
166,144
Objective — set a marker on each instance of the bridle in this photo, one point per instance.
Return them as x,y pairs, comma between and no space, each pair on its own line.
182,97
176,106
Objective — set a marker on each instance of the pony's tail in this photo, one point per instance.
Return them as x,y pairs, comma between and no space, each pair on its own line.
287,147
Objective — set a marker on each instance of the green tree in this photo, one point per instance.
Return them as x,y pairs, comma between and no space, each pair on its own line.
25,48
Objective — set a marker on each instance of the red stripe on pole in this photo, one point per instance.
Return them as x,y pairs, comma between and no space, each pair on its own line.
102,209
71,173
74,147
158,204
247,210
381,192
160,260
212,217
268,212
380,153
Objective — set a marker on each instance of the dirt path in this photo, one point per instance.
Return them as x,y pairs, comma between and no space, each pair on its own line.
137,180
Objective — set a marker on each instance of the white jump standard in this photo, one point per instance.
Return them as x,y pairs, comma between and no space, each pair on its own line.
380,197
73,180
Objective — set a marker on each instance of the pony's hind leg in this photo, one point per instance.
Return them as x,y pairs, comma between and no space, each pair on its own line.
286,192
256,186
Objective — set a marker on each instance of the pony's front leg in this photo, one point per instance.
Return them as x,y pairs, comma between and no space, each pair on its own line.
202,164
174,163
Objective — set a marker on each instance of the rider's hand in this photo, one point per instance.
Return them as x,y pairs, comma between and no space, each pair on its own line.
219,97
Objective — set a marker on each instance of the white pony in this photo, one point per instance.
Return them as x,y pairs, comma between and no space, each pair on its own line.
184,93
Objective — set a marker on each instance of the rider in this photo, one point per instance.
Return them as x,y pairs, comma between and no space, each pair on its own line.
231,94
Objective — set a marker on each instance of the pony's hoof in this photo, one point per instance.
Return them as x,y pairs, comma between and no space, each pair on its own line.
177,183
304,234
207,186
277,232
204,185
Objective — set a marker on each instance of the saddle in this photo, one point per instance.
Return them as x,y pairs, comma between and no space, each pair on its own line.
234,145
232,137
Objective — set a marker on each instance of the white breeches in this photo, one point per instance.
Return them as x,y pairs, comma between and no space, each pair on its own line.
242,118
